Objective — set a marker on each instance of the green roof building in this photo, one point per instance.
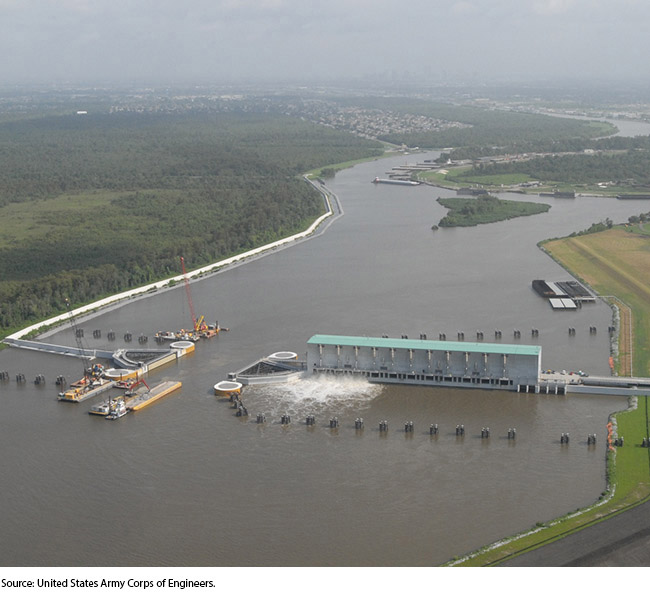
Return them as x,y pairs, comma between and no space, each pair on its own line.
427,362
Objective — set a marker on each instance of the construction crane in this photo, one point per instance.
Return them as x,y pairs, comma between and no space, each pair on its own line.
199,325
91,372
77,333
189,293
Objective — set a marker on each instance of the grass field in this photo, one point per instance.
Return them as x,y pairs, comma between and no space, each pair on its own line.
615,262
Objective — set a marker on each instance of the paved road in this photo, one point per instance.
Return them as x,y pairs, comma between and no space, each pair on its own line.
622,541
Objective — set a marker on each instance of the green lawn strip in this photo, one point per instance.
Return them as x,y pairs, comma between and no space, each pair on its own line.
641,333
496,180
444,176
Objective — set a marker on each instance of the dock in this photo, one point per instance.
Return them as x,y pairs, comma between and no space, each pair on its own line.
155,393
572,291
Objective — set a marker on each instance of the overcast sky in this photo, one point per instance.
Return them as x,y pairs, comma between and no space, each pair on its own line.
217,41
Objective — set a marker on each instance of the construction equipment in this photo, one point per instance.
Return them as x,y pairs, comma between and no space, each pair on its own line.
130,386
92,372
200,327
78,336
92,380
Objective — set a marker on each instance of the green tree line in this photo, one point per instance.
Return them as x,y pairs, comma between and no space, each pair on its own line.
93,205
467,212
632,166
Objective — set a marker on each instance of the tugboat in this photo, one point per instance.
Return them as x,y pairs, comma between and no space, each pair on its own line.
118,409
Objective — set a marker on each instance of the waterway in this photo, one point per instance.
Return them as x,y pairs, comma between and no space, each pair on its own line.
185,482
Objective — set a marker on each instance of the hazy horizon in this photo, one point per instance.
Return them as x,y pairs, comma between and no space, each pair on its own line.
220,41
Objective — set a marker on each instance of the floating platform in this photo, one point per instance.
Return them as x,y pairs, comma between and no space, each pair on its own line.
79,394
121,374
157,392
563,304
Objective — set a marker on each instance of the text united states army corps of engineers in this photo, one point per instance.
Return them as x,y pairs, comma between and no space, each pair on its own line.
107,583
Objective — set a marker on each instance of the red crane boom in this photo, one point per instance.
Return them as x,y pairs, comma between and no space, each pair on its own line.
189,293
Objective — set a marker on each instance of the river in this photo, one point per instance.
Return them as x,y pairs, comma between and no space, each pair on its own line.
186,483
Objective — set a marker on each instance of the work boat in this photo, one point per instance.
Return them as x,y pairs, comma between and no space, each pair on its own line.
165,335
103,409
119,409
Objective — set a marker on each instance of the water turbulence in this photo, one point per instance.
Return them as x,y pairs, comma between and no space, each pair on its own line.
317,395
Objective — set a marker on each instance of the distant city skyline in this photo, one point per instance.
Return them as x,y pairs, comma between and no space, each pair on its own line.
219,41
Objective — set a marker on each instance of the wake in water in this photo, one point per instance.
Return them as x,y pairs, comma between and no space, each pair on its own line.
318,395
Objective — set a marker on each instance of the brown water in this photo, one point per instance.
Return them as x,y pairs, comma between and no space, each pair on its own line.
184,482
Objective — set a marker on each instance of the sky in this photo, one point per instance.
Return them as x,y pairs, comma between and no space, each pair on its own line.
222,41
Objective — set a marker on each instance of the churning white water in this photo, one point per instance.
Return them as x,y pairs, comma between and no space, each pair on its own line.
319,395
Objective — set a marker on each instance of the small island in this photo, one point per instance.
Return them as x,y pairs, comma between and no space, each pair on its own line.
466,212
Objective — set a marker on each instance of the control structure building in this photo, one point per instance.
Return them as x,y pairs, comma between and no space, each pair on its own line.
514,367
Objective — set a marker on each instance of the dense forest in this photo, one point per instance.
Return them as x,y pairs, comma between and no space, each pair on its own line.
94,204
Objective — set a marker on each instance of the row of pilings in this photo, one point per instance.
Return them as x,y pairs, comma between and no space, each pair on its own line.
111,335
359,424
408,427
39,379
20,378
498,334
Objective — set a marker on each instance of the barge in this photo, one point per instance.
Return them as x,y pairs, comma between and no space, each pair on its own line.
569,292
79,394
395,181
102,409
157,392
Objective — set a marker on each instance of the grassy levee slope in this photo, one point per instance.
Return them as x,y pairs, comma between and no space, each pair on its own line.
616,263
